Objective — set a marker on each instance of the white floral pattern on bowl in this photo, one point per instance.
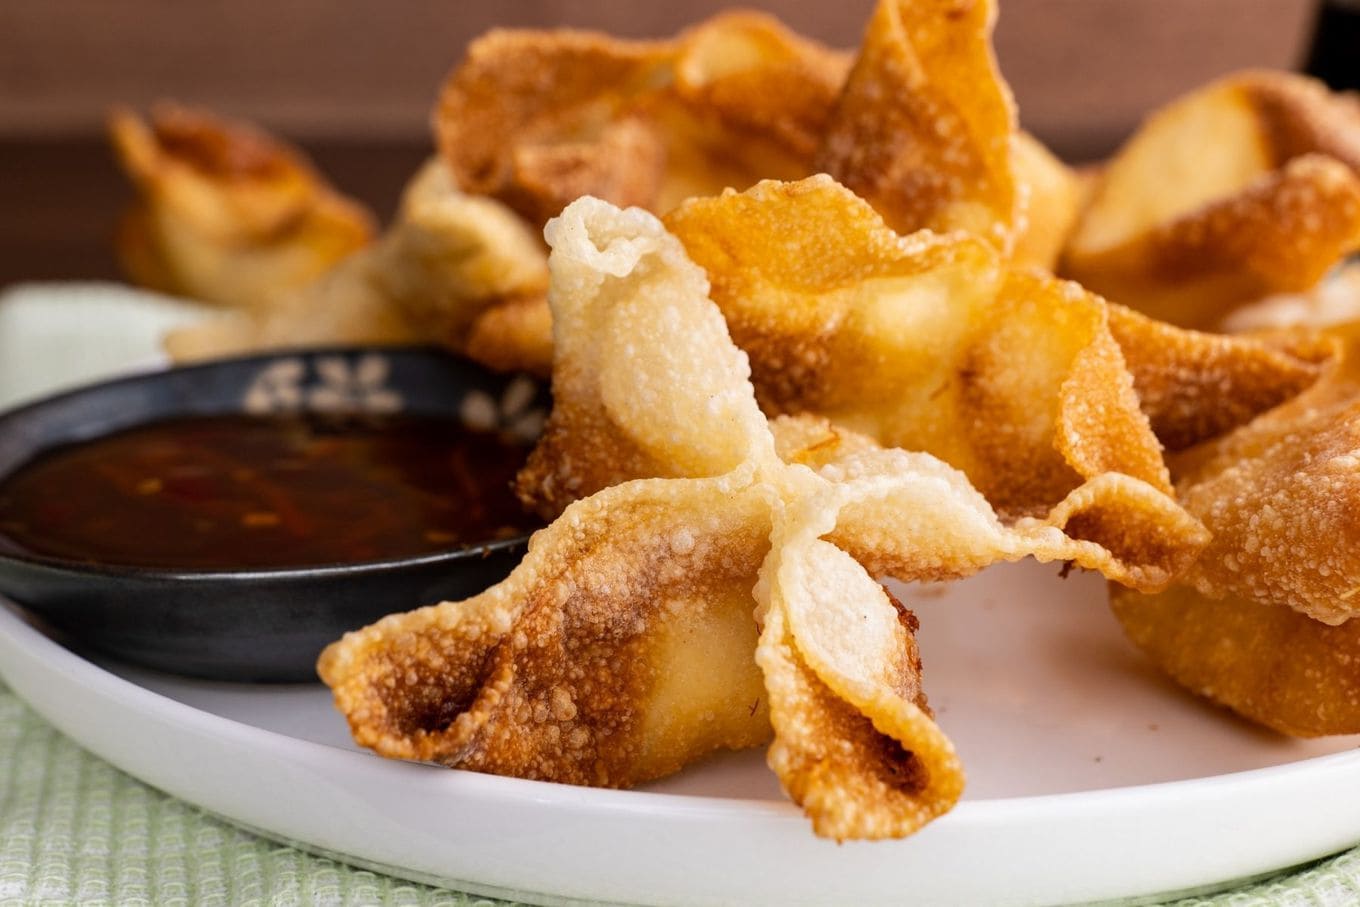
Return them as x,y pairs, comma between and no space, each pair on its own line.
513,413
277,388
340,386
342,383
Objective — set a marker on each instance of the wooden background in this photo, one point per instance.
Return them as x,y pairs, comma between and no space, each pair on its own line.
353,81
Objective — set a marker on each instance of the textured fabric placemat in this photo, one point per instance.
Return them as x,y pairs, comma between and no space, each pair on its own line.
76,830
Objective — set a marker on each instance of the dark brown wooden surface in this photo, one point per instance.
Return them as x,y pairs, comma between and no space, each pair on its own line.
1083,70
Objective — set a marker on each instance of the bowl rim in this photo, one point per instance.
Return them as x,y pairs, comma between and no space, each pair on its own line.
101,569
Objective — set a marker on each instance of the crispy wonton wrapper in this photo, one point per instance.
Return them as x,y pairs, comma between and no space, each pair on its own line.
923,128
1265,620
1282,496
1269,663
225,213
925,131
1197,386
537,119
629,642
929,343
453,269
1247,187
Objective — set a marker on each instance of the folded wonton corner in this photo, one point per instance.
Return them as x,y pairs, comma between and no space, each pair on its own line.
731,599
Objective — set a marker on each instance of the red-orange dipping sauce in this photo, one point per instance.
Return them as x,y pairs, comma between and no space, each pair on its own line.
227,492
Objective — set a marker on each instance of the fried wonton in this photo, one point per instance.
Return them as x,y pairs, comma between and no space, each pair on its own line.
609,425
1244,188
1196,386
537,119
225,213
926,342
1269,663
453,262
1282,496
1264,621
923,127
630,642
451,268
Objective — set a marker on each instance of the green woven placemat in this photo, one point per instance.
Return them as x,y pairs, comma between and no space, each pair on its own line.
75,830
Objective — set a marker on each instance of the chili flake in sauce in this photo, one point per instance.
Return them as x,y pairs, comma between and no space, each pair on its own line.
227,492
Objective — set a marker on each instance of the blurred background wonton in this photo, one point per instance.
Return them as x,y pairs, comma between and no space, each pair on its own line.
353,83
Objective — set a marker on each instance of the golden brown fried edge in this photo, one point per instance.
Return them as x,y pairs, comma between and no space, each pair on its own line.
1245,187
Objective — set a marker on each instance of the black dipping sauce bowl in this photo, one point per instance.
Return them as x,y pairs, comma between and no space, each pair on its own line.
258,625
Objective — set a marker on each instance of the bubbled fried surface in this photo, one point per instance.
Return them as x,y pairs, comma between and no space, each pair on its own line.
1263,622
924,124
657,578
1285,518
835,748
854,742
552,674
621,287
927,342
1196,386
1281,497
1267,662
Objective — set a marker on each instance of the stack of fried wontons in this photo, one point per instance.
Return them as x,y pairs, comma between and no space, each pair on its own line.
799,312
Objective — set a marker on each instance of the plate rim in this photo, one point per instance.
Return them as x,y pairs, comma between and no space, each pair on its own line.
615,796
23,634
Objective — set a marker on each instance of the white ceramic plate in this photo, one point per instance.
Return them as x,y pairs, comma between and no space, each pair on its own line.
1090,777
